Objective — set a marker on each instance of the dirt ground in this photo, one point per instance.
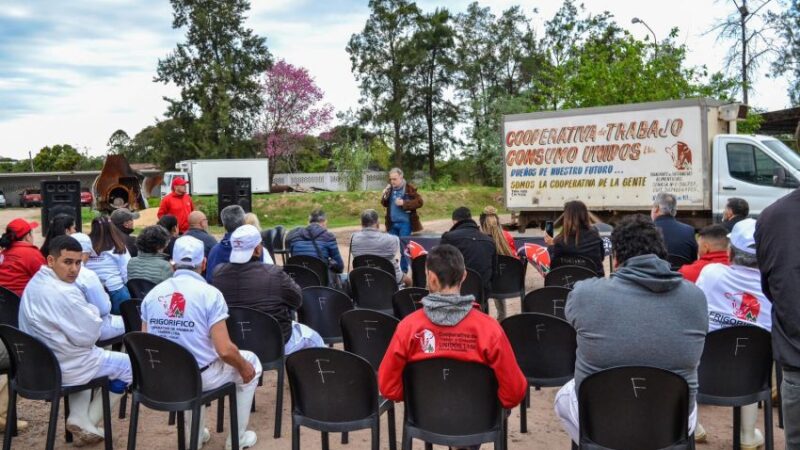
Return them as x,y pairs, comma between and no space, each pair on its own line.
544,429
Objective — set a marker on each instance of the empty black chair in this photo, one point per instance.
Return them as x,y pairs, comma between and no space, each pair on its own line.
319,266
36,375
166,378
677,261
131,311
406,301
335,391
652,403
736,370
378,262
567,276
279,243
473,285
508,280
303,276
321,309
367,333
419,279
547,300
139,287
9,308
373,288
545,350
575,260
268,242
467,391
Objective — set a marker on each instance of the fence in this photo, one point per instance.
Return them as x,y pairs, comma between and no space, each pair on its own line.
371,181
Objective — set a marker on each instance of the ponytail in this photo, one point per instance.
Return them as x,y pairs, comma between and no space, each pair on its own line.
7,239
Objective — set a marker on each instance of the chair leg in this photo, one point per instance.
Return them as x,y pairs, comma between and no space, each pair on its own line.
428,446
195,429
376,433
133,425
11,417
220,415
523,413
234,420
768,435
52,425
181,431
67,434
345,438
295,436
171,420
737,425
325,441
392,428
406,443
279,403
108,438
123,405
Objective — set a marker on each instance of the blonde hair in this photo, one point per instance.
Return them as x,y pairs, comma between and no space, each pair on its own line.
252,219
490,225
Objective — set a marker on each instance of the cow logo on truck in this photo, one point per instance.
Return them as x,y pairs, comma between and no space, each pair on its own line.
681,155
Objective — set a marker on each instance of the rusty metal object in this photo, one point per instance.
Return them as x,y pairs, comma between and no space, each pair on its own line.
118,186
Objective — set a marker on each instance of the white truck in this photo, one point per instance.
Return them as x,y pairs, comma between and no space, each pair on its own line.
202,174
617,158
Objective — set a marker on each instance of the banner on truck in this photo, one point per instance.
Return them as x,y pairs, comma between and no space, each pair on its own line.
605,160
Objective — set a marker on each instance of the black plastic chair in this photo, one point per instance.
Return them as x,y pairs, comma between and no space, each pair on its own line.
547,300
9,307
279,243
321,309
139,288
545,350
36,375
131,311
166,378
574,260
268,242
367,334
419,279
467,391
261,334
473,285
378,262
634,408
736,370
677,261
567,276
319,266
508,280
373,288
335,391
303,276
406,301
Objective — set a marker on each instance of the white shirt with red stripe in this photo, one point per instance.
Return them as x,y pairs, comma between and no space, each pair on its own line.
734,297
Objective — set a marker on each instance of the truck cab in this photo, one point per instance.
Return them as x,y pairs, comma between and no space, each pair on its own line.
759,169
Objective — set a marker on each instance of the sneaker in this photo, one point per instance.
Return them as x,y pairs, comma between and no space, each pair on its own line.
756,442
246,440
700,433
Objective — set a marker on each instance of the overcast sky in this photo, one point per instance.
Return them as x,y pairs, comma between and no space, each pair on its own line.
73,72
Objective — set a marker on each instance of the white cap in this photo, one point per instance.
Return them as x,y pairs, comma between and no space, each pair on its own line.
188,251
244,241
84,240
743,236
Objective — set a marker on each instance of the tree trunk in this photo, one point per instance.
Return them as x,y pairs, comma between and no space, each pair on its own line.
744,52
431,150
398,148
271,171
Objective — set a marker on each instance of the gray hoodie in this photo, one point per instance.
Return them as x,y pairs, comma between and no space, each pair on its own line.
447,310
644,314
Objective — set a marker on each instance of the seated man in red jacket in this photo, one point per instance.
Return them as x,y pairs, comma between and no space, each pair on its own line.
440,329
712,247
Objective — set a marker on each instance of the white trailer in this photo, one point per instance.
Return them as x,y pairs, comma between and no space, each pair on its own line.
202,174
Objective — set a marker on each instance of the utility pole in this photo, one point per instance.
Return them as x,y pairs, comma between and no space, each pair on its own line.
743,14
636,20
30,157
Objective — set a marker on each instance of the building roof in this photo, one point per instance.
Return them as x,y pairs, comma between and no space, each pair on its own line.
784,121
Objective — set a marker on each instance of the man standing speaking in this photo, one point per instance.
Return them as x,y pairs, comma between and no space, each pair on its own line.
401,201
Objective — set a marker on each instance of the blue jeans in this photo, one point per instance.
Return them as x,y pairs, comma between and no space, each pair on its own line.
401,229
117,297
790,395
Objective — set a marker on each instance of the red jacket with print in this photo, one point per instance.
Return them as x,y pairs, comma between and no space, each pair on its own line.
179,206
692,271
477,338
18,265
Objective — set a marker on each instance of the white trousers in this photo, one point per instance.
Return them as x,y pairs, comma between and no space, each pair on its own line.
219,373
302,337
566,406
112,328
115,366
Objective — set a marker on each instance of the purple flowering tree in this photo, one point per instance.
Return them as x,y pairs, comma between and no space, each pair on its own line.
293,109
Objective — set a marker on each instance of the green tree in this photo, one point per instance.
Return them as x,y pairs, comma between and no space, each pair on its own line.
217,70
58,158
788,60
118,142
352,159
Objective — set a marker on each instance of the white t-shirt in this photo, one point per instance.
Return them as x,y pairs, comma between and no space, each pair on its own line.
734,297
183,309
111,268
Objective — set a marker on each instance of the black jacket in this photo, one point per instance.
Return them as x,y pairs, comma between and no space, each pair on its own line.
208,240
480,253
729,224
590,245
260,286
678,236
778,253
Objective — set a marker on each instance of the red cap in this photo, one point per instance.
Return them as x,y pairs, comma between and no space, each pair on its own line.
21,227
178,181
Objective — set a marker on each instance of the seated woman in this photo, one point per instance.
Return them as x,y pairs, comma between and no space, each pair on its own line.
577,237
109,260
503,242
152,264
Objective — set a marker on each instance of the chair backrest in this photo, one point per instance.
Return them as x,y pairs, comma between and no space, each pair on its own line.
547,300
567,276
373,288
303,276
405,301
321,309
574,260
319,266
331,385
473,284
9,307
268,241
131,311
544,347
139,288
634,408
367,333
736,362
509,276
677,261
34,367
451,397
257,332
279,239
378,262
420,280
163,371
